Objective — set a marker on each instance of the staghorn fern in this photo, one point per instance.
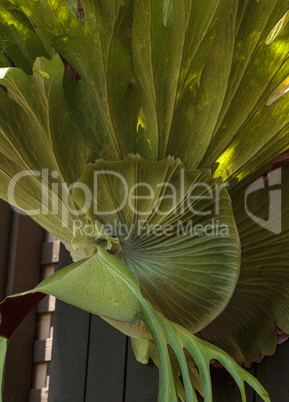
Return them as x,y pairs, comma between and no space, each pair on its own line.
200,80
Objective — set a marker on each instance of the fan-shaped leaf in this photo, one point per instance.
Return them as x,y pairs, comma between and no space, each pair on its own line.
260,302
175,232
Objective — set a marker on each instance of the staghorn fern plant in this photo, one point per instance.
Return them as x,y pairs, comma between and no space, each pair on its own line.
178,103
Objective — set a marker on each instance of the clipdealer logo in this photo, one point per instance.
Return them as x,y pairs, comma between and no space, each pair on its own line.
274,221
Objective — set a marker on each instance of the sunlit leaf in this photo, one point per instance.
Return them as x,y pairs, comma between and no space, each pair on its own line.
151,103
249,133
18,39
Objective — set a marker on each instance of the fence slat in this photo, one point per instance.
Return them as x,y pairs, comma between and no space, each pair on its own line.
142,380
273,374
23,274
106,363
5,234
226,389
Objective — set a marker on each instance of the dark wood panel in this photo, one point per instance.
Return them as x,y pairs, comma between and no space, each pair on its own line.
69,354
141,380
106,363
70,348
273,373
5,235
23,274
226,389
25,254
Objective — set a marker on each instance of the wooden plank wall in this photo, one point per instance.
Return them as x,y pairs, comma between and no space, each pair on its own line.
44,329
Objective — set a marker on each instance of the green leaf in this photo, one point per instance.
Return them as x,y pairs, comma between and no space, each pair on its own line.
85,46
103,285
174,230
35,132
145,349
19,41
249,133
3,349
197,115
185,90
260,304
4,61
